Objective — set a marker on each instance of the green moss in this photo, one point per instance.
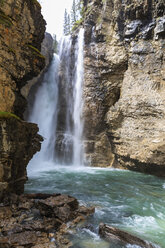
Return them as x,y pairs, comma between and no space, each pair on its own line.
77,24
8,115
87,11
36,51
2,2
99,20
10,49
5,20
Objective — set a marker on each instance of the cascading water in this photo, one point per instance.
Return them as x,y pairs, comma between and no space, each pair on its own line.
64,134
44,113
78,104
58,106
69,148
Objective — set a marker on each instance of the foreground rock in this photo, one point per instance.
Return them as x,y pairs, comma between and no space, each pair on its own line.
39,220
118,236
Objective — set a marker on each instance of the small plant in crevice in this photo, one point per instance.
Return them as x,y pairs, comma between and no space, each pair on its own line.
36,51
11,50
5,20
2,2
8,115
77,24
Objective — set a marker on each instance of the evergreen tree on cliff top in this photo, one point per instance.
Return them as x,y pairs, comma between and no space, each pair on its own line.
74,16
66,27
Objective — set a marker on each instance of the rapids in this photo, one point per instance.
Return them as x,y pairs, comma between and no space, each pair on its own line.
128,200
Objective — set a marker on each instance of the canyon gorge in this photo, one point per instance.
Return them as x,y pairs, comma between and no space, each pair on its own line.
99,103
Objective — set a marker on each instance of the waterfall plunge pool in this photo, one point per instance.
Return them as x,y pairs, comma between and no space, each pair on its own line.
127,200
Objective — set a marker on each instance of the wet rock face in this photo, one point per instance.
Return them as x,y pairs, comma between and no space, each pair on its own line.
19,141
39,220
22,28
124,84
29,90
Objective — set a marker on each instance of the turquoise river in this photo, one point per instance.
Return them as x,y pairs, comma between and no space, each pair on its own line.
128,200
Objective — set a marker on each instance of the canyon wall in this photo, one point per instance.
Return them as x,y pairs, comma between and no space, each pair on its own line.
124,86
22,29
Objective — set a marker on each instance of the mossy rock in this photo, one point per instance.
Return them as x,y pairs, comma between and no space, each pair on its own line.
8,115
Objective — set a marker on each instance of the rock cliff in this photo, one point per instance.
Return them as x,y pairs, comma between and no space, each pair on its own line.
124,84
22,30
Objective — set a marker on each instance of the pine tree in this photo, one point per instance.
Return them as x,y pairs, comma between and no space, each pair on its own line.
74,16
65,31
68,24
80,9
76,11
55,44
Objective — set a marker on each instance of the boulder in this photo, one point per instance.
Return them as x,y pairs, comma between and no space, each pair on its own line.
62,207
116,235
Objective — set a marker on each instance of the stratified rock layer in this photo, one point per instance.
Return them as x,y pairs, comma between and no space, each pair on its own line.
124,84
22,29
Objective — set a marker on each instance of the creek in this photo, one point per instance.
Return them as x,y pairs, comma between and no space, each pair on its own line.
131,201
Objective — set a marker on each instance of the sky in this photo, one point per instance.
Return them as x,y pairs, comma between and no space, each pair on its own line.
53,12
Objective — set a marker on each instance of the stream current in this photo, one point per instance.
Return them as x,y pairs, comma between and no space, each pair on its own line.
131,201
128,200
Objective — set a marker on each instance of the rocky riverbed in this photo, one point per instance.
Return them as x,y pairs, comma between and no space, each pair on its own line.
39,220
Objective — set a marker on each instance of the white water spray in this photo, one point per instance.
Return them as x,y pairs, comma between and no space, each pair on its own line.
78,102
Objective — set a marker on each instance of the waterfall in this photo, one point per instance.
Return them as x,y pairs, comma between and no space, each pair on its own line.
58,105
78,103
44,113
